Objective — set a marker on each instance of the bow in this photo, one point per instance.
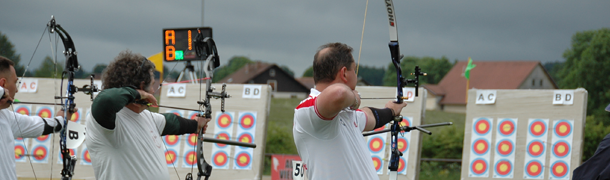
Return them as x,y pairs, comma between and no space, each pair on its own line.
68,106
71,67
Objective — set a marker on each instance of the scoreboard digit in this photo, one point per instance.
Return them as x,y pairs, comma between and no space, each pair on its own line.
178,43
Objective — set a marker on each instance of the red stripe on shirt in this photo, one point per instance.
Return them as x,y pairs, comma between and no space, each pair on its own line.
311,101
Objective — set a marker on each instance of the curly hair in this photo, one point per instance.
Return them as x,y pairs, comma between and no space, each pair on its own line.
327,65
128,69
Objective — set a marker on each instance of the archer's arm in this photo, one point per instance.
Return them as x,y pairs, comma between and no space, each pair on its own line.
24,126
335,98
176,125
109,102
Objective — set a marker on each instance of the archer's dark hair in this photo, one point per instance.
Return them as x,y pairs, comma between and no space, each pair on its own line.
327,65
127,70
5,64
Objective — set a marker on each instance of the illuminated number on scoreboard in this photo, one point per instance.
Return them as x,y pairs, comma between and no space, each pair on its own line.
170,41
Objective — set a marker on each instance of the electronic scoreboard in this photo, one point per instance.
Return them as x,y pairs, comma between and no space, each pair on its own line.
178,43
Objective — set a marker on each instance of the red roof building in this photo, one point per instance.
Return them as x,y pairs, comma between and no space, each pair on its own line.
450,93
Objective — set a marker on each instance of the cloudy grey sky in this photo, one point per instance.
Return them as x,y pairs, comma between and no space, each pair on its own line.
289,32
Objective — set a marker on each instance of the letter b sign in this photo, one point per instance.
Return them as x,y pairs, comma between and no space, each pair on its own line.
563,97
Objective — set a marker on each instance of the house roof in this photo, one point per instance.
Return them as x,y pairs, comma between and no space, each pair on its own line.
307,82
486,75
246,73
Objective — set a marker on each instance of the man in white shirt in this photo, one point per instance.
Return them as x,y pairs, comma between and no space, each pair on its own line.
14,125
328,125
124,139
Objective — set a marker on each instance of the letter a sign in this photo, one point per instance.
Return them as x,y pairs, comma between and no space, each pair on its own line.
486,97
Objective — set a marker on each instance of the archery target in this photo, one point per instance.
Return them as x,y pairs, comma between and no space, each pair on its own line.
482,126
243,160
171,156
190,158
534,168
23,109
480,146
559,169
405,122
376,144
538,128
193,114
403,144
563,129
377,163
224,121
505,147
86,157
76,116
247,121
245,137
535,148
503,168
506,127
223,136
561,149
401,166
191,140
44,112
19,152
176,112
61,156
42,138
479,166
172,140
220,159
40,153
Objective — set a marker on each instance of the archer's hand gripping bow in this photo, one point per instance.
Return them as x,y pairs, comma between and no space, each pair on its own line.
72,66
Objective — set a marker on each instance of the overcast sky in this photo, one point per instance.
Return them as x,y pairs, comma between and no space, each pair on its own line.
289,32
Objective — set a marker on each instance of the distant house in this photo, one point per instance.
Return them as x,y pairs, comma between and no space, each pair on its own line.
282,84
450,93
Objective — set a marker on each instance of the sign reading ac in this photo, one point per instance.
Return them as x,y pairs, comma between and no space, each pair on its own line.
176,90
28,85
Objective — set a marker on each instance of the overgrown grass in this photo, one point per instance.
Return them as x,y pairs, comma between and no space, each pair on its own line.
279,129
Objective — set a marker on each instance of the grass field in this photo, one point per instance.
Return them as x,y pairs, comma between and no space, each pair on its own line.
448,138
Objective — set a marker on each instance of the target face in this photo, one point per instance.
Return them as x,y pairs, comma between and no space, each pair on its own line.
40,153
247,121
193,115
19,151
45,112
403,144
505,147
220,158
563,129
192,139
537,128
376,144
222,136
245,137
75,116
480,146
243,159
506,128
401,165
170,156
535,148
479,166
405,122
377,163
559,169
190,158
86,156
224,121
172,140
561,149
42,138
503,167
533,168
482,126
23,110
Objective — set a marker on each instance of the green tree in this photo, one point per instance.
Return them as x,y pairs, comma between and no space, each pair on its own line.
7,49
585,66
48,68
372,75
553,69
308,72
235,63
436,68
99,68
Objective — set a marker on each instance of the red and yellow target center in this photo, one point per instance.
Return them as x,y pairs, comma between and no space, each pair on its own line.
479,166
225,120
247,121
44,114
377,163
404,122
191,158
401,165
74,117
170,157
534,169
23,111
561,149
40,153
482,127
220,159
19,151
505,147
87,156
480,146
560,169
503,168
507,127
171,139
192,139
402,144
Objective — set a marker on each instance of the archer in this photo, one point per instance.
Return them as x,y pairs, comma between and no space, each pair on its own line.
124,138
14,125
328,125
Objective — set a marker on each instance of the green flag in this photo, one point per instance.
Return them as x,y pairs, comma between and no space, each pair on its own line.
468,68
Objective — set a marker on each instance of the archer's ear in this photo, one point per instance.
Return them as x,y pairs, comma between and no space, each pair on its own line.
2,82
